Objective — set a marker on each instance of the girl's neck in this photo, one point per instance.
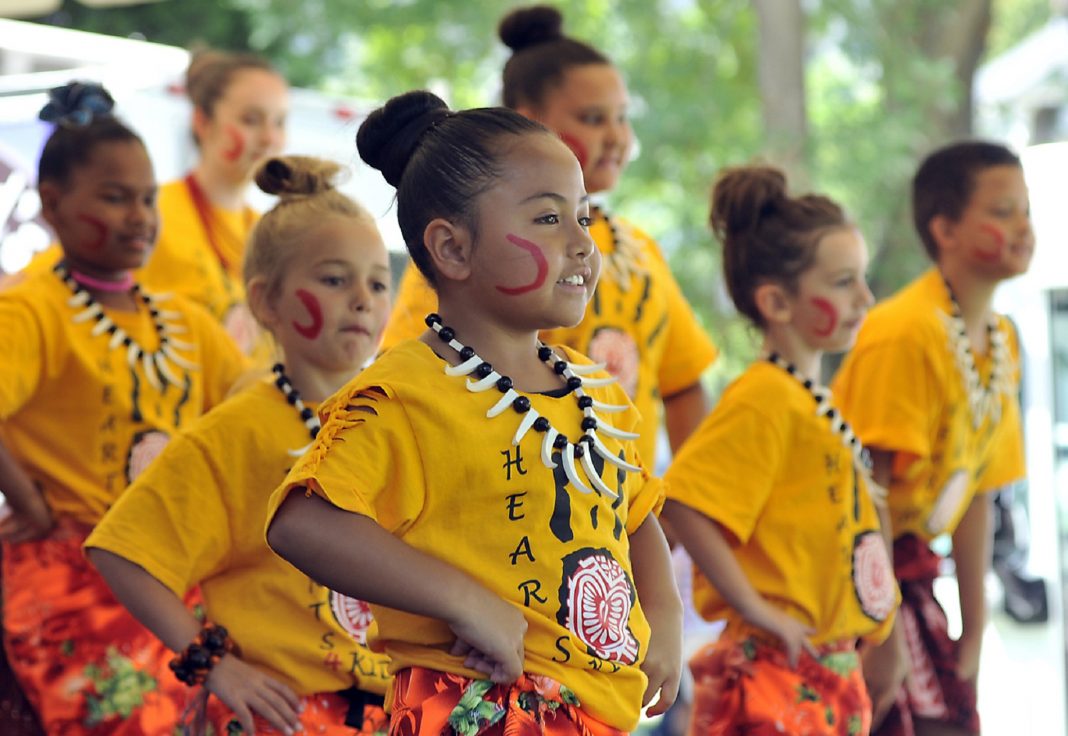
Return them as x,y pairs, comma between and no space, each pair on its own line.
88,276
219,185
314,384
793,349
974,295
512,352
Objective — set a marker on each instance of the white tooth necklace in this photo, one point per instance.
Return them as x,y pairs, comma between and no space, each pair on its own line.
483,377
156,365
983,401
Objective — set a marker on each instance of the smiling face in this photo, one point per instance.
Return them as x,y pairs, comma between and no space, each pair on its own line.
588,110
832,296
246,125
105,214
333,302
993,234
534,262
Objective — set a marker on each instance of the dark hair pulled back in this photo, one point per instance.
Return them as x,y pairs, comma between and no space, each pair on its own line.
541,54
440,161
767,235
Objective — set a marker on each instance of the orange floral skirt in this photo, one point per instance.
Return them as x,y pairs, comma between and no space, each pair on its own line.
85,664
432,703
744,685
322,714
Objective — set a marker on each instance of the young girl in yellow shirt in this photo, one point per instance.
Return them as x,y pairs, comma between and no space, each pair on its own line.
931,387
240,104
317,274
638,322
97,375
479,487
772,496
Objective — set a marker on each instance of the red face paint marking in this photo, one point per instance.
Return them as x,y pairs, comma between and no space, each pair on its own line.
991,254
539,260
576,147
237,144
829,312
309,331
99,226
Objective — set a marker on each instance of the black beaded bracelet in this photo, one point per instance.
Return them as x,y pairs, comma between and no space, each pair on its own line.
194,664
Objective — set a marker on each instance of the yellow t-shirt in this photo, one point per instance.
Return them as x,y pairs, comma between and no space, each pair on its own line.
429,466
902,390
638,323
184,262
80,421
196,516
771,470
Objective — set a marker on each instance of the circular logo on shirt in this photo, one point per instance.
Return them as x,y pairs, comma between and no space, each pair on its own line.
873,577
596,597
619,353
352,615
146,446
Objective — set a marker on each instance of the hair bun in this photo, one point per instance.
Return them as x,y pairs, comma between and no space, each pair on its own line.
77,104
297,176
389,136
742,196
525,27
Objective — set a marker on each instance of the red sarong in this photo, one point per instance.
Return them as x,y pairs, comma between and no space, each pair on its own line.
432,703
932,691
743,684
85,664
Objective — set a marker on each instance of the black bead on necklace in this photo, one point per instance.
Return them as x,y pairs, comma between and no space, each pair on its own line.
482,377
309,418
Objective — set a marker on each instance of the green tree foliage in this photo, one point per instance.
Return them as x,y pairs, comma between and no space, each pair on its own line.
883,86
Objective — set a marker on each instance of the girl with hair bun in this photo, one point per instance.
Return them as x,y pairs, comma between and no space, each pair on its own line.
97,375
772,496
479,487
291,654
240,103
638,323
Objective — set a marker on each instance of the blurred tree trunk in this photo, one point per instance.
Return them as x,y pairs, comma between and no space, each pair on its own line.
781,73
927,76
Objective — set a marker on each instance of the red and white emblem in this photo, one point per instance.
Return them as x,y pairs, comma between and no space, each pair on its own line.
146,446
873,576
351,614
599,596
619,353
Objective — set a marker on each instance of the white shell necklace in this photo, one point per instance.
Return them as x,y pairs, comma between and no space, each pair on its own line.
983,401
156,364
485,378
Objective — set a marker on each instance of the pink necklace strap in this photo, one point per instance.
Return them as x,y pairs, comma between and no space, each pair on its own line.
112,287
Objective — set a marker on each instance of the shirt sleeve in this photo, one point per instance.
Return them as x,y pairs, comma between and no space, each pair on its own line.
22,343
727,468
886,391
365,460
415,300
688,351
172,521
